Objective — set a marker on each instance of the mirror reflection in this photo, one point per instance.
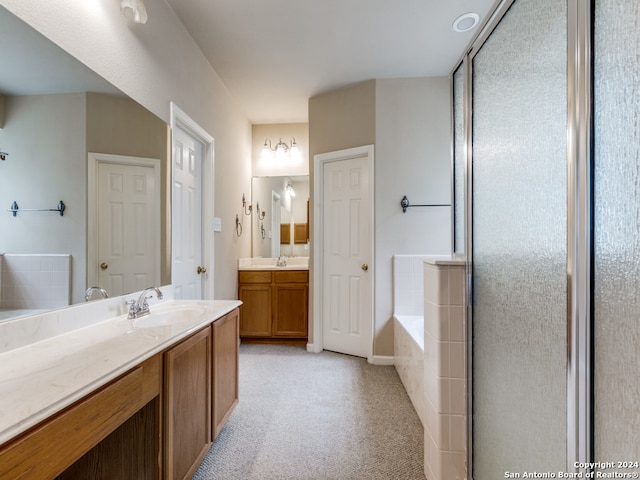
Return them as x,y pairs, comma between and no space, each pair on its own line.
54,112
281,225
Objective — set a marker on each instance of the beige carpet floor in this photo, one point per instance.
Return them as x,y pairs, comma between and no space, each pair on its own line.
309,416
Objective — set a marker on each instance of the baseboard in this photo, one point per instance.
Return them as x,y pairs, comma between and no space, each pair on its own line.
313,348
381,360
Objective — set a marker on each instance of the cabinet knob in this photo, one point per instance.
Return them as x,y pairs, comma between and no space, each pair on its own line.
104,265
365,267
200,270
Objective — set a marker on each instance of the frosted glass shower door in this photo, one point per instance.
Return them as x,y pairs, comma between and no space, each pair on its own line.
617,232
519,242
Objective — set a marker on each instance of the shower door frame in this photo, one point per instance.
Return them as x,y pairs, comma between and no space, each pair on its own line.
579,222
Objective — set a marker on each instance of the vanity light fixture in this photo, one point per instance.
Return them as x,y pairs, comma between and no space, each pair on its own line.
134,10
290,191
466,22
280,147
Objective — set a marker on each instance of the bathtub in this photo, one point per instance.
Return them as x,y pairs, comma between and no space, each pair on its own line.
408,345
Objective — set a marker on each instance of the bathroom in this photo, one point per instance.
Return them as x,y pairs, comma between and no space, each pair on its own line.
235,144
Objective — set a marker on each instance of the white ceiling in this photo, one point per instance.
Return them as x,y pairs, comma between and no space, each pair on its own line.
273,55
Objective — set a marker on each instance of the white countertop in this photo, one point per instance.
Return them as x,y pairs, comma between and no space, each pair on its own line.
260,263
39,380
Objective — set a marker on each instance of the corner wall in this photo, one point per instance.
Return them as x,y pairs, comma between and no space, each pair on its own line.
412,158
408,122
338,120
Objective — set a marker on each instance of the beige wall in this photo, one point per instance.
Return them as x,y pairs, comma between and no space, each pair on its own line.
48,137
412,157
44,135
2,107
407,121
338,120
155,64
120,126
275,132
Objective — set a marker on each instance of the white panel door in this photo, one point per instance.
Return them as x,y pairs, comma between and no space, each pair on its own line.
128,206
186,230
347,252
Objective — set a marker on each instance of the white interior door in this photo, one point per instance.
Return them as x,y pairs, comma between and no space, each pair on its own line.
186,225
347,253
125,246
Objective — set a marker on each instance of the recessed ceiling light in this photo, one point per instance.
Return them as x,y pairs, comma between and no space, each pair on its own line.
466,22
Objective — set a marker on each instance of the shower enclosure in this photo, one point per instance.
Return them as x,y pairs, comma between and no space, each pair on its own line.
546,173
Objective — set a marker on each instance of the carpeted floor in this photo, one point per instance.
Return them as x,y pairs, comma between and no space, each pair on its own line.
308,416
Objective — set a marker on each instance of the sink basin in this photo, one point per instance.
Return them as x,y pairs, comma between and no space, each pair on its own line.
171,315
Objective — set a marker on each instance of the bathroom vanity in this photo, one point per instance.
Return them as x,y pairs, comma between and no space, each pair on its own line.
121,398
275,301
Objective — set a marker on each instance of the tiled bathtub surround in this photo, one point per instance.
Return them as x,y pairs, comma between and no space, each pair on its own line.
408,325
408,289
408,358
444,369
35,281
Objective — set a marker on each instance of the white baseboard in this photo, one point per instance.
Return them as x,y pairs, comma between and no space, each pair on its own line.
313,348
381,360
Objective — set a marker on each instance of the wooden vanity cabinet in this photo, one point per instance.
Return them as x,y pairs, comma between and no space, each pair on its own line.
275,306
82,441
187,405
255,312
290,304
225,369
156,421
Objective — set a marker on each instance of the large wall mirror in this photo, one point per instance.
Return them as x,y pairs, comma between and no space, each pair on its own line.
280,218
54,112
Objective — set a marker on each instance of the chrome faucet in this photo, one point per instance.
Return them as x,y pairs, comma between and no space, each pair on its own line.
90,290
282,261
140,307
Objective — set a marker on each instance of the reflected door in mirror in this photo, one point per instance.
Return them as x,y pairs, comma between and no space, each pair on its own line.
128,216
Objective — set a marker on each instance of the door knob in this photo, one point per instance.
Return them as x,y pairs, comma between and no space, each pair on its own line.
365,267
104,265
201,270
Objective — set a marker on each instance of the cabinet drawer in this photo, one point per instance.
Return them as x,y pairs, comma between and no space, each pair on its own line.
291,276
251,276
49,449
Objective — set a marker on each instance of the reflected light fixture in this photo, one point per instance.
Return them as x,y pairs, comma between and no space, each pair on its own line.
280,147
290,191
134,11
3,155
466,22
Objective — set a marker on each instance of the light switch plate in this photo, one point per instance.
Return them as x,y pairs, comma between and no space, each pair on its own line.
217,224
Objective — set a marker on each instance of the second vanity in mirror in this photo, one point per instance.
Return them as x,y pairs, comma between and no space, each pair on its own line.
282,225
274,284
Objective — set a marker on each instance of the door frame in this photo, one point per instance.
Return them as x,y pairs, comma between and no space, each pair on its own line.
93,161
318,242
179,119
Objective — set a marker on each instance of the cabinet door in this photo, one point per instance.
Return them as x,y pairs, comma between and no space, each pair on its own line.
290,316
187,405
255,311
225,368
